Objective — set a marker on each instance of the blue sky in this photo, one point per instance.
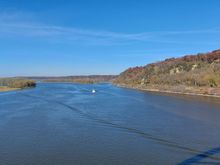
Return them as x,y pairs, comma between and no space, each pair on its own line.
81,37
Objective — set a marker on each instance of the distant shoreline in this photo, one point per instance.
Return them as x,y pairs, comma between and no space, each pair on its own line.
168,91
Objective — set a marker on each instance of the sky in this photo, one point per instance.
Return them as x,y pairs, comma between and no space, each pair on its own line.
85,37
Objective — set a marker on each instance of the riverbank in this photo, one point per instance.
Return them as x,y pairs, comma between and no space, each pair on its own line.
6,89
181,90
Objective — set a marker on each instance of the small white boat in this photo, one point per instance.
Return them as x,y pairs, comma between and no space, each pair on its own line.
93,91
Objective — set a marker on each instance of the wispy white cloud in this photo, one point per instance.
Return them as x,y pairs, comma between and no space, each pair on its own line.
12,25
38,30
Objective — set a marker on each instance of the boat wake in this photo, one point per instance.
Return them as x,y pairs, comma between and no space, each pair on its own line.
124,128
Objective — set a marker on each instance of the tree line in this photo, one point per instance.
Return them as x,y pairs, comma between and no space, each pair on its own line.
17,82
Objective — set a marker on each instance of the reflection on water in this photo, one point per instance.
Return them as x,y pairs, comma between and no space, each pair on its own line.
64,124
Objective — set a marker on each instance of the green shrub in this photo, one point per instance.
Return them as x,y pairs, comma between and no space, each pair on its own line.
212,83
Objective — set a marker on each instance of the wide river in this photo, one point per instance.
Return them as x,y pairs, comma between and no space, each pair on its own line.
66,124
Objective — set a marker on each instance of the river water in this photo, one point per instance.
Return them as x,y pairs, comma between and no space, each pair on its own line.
66,124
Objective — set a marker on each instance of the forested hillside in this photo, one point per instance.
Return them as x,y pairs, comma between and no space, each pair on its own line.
201,71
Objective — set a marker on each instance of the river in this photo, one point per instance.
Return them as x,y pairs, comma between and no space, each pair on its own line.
67,124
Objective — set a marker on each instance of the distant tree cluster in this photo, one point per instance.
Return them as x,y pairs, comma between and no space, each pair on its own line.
204,57
81,79
198,70
17,83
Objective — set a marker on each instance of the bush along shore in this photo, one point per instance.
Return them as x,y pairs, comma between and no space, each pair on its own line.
7,84
192,74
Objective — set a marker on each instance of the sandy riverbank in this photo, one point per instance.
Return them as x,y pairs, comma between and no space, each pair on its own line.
206,92
5,89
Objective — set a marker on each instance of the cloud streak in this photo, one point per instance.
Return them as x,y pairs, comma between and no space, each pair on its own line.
36,30
70,34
